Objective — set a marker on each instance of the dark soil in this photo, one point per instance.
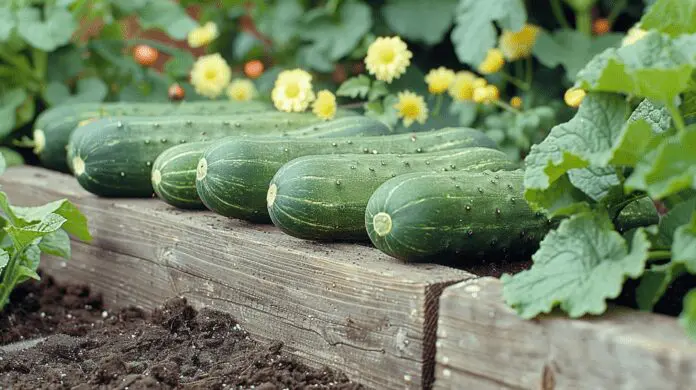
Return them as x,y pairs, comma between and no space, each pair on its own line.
173,347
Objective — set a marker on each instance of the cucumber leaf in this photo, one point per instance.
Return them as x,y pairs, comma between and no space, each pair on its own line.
7,23
684,245
688,107
56,244
355,87
654,284
655,67
46,34
474,32
91,89
687,318
577,267
673,17
26,235
654,113
669,168
425,21
20,217
595,182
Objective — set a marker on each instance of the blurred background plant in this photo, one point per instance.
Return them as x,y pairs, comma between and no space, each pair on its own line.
522,55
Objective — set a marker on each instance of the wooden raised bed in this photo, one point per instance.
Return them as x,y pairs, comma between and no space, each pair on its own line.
352,308
345,306
483,345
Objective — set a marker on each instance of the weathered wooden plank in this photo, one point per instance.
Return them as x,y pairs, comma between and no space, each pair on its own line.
347,306
483,345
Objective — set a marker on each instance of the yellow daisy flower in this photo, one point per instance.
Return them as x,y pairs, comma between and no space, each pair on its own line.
479,82
516,45
241,90
387,58
574,96
439,80
293,91
516,102
411,108
203,35
462,87
210,75
633,35
325,105
487,94
493,62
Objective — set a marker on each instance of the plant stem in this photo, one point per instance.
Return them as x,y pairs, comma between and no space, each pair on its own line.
583,22
619,5
8,279
677,117
515,81
557,10
438,105
40,63
506,107
660,255
529,71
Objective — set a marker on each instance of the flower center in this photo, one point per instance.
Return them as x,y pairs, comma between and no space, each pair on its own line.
210,74
410,110
292,90
387,55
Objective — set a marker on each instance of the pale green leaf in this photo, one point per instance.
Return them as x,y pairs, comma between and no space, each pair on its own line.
89,90
76,223
684,245
466,111
688,106
378,90
679,215
337,37
355,87
654,113
7,23
46,34
4,259
474,32
578,267
561,198
425,21
595,182
571,48
56,243
632,143
281,22
588,136
687,318
28,234
655,67
674,17
10,101
669,168
168,16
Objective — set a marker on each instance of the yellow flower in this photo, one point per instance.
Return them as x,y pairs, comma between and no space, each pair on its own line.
487,94
634,35
493,62
516,102
479,82
439,80
210,75
516,45
411,108
325,105
387,58
203,35
293,91
462,87
574,96
241,90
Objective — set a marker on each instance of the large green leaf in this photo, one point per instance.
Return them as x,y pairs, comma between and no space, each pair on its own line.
281,22
668,168
355,87
474,32
56,243
7,23
26,235
417,20
577,267
687,318
89,90
674,17
655,67
76,223
168,16
684,245
654,283
10,101
49,33
571,48
337,37
654,113
688,107
65,63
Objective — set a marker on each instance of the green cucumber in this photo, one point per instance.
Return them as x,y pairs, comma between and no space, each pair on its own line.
54,126
324,197
233,176
423,216
464,216
113,156
174,170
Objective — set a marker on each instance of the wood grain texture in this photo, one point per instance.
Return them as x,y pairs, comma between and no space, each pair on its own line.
483,345
345,306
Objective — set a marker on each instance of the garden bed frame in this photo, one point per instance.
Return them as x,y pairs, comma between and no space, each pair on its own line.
349,306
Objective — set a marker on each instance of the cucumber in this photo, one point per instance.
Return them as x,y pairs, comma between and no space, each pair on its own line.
113,156
423,216
324,197
234,175
463,216
53,127
174,170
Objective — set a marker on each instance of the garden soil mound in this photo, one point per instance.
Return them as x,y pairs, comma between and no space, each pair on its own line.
172,347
